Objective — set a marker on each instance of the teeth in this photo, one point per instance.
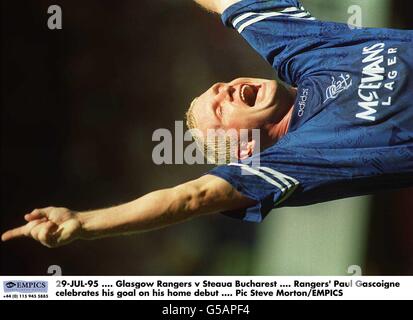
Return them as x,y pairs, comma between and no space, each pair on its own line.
248,94
244,86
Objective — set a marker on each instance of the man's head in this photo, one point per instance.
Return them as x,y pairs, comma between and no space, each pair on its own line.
244,103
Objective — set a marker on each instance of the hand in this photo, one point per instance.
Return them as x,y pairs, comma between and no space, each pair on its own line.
52,227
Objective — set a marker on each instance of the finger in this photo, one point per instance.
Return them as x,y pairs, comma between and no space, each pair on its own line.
30,230
32,224
13,233
35,214
34,232
46,232
23,231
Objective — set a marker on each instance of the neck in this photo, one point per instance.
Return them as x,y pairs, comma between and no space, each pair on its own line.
280,129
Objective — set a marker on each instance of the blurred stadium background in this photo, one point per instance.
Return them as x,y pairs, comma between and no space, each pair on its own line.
79,107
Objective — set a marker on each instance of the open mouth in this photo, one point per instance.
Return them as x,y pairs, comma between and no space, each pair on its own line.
249,94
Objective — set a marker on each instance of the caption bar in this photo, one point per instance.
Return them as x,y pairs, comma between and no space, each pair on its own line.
205,288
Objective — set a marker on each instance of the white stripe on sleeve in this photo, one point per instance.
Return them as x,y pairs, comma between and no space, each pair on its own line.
242,17
249,14
292,12
280,176
290,183
259,174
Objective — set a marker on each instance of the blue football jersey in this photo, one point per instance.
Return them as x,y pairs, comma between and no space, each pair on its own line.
351,131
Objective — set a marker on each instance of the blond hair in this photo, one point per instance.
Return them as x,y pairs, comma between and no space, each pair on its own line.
217,148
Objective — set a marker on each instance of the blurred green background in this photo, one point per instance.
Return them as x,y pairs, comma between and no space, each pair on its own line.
79,107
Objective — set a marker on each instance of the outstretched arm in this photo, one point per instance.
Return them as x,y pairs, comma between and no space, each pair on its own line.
217,6
54,227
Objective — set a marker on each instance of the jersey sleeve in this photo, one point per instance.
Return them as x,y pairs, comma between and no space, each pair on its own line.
270,183
266,186
285,34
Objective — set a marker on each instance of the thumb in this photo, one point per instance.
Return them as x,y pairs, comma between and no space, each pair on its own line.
37,214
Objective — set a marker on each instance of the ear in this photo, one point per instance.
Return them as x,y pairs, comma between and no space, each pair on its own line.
246,149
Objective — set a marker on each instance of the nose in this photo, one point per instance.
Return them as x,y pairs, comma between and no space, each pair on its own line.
225,89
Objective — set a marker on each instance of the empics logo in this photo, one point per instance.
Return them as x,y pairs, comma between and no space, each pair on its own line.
25,286
10,284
